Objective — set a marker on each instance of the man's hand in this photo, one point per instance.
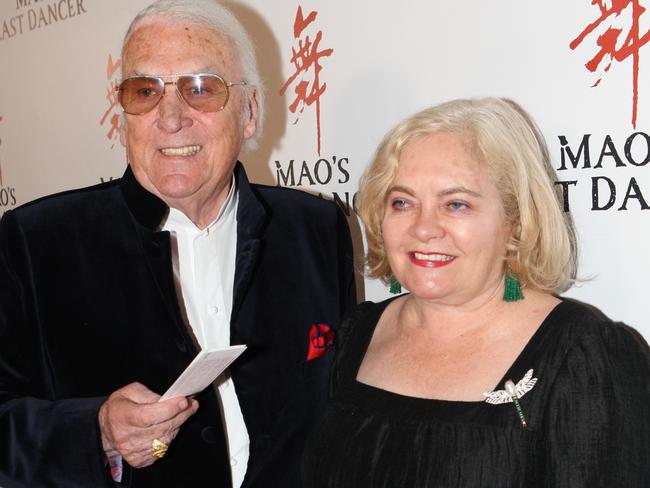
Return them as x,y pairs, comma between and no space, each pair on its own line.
131,418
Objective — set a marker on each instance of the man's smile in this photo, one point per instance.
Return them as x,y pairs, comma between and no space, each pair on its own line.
181,151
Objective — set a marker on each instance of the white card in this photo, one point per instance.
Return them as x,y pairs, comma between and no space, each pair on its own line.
203,370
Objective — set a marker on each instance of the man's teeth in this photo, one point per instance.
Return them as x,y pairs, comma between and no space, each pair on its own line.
180,151
432,257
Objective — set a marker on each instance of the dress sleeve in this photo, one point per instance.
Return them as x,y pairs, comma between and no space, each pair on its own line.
598,416
44,440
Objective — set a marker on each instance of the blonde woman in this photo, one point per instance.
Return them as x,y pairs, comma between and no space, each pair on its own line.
480,376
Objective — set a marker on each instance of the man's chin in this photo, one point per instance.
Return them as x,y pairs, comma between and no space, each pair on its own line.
174,188
176,193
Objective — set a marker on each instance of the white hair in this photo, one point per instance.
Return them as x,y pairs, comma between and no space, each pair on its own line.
215,16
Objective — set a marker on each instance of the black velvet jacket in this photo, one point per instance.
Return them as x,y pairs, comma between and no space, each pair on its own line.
88,305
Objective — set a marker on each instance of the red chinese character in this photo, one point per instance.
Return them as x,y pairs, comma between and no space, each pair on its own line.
306,60
113,133
608,40
111,67
111,97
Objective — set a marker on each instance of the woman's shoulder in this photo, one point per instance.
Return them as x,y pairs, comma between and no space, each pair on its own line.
362,312
360,321
366,308
589,333
587,320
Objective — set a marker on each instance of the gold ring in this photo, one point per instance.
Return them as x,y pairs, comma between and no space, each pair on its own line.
158,448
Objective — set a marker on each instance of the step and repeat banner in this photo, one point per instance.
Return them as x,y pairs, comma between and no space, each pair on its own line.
338,75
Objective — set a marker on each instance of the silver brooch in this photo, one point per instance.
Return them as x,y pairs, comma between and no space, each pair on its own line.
513,393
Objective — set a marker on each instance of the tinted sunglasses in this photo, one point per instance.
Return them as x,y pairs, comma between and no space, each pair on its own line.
205,92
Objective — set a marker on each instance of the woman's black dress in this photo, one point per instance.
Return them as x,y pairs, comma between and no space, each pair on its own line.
588,417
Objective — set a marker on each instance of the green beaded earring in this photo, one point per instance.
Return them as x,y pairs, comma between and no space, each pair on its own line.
395,287
512,291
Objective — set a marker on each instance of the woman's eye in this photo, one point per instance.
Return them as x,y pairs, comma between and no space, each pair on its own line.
399,203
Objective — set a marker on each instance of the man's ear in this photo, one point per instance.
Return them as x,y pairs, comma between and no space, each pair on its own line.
250,124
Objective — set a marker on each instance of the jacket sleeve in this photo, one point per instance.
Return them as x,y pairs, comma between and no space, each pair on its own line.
347,286
44,440
598,418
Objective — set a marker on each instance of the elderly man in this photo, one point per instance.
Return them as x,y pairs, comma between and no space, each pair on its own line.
107,293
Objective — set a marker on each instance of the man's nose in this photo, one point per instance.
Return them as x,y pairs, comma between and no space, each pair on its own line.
173,112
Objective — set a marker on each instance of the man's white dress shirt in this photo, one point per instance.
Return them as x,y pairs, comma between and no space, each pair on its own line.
204,271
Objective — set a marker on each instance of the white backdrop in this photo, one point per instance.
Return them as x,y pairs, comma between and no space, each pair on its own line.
363,66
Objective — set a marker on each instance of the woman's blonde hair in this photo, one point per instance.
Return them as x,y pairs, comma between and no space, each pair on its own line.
500,134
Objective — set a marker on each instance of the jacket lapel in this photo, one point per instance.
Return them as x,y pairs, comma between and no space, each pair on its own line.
148,211
251,219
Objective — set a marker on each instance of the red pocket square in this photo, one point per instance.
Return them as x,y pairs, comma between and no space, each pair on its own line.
321,341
